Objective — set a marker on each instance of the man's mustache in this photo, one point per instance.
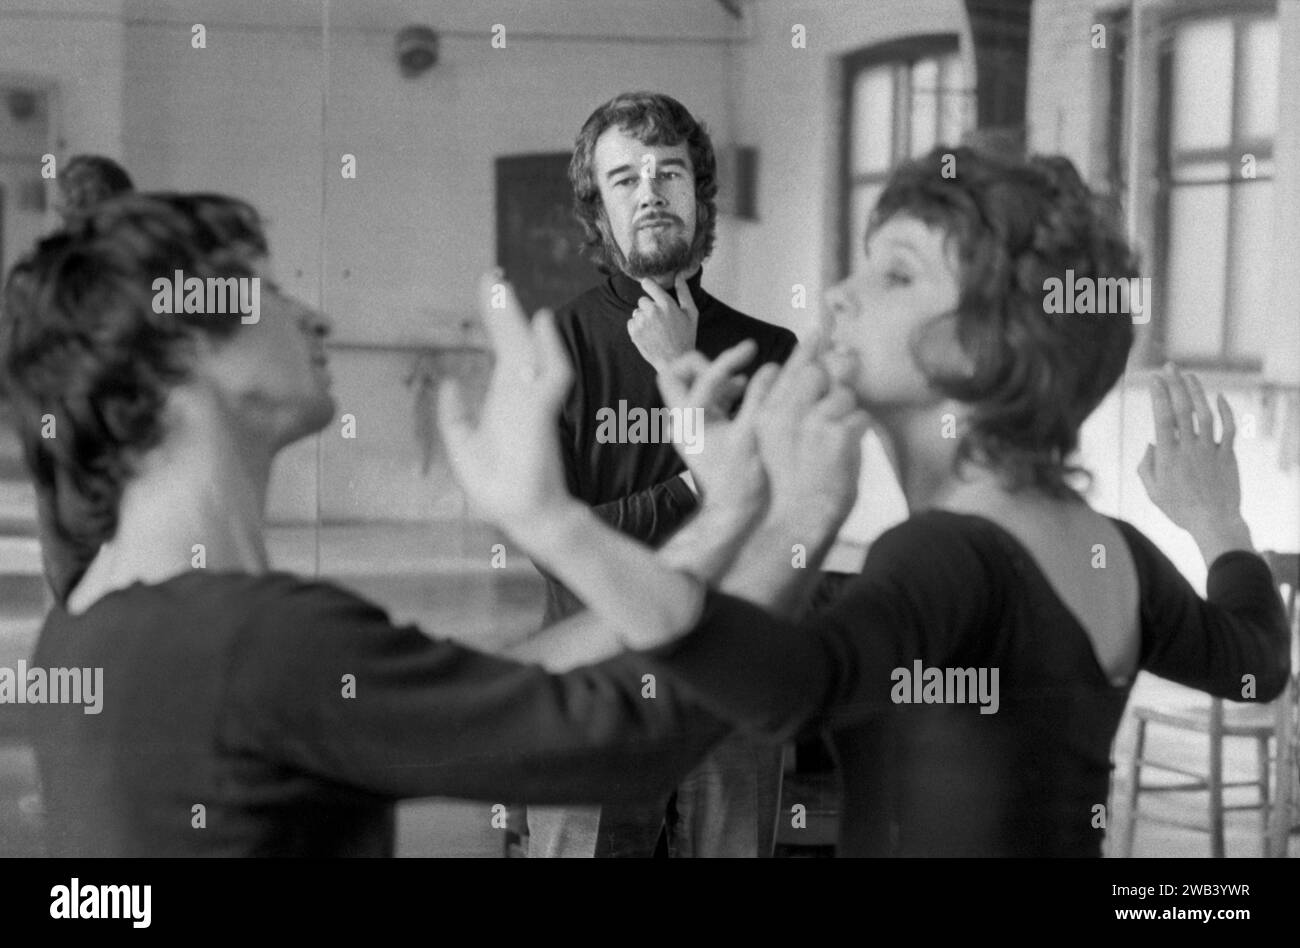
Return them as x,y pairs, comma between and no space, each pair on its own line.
657,219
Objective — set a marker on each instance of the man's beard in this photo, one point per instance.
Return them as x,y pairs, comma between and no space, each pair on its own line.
668,253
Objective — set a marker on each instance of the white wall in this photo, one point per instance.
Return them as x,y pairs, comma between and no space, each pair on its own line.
419,223
268,108
74,46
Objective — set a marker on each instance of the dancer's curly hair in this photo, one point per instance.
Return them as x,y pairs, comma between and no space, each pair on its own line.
1036,375
87,363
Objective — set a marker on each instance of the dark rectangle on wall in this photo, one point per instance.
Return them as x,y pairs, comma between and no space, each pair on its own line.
539,242
738,182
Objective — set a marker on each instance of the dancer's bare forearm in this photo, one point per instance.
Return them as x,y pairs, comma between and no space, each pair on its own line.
704,549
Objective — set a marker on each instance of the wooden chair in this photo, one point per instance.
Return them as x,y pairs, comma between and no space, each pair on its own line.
1219,721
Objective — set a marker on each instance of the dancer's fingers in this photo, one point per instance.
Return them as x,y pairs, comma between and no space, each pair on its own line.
731,361
1229,423
712,382
837,404
553,358
1162,410
757,391
1201,408
1181,400
677,381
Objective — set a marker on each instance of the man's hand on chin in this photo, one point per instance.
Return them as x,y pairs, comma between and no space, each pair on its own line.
661,329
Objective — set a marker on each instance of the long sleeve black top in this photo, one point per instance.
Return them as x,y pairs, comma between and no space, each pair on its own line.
295,715
957,591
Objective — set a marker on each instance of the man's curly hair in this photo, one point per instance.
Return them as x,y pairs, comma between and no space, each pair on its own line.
1037,375
653,119
81,345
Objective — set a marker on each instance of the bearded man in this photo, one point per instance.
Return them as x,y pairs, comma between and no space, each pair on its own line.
644,179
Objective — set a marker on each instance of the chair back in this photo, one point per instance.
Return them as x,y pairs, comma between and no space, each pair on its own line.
1286,573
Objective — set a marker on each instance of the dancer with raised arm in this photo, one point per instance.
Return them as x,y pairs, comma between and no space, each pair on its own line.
973,677
241,710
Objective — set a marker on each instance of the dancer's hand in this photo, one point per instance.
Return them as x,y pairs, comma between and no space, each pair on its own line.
509,463
661,329
810,440
1189,475
720,450
810,432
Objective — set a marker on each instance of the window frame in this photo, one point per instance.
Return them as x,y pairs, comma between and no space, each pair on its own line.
1163,163
899,53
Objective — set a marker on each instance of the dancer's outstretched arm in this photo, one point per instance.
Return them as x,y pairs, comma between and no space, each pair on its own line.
910,604
742,536
509,465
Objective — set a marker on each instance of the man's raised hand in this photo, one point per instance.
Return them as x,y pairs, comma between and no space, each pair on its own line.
661,329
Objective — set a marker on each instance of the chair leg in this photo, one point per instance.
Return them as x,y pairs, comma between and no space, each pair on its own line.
1216,796
1289,810
1261,757
1281,812
1134,789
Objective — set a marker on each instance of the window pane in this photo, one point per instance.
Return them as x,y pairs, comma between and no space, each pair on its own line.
860,205
1202,88
952,100
873,119
1197,264
925,105
1258,104
1252,255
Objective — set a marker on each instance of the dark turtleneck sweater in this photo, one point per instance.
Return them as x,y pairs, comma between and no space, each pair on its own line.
636,488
